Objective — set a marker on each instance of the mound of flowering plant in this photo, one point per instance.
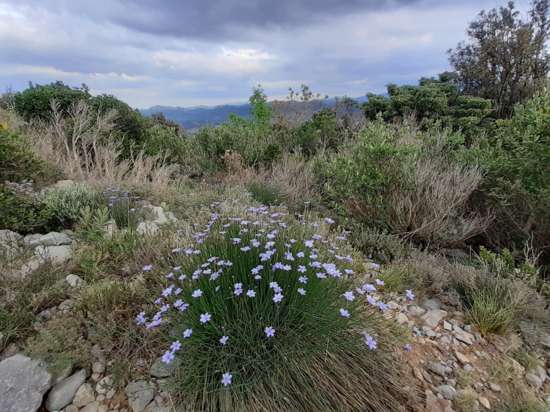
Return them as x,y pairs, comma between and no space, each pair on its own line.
264,314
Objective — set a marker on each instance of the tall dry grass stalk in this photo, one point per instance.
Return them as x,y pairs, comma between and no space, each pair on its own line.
81,144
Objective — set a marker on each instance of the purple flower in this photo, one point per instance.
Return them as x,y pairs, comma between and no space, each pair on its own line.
303,279
410,294
147,268
176,346
329,221
140,318
301,291
344,313
382,306
224,339
205,317
370,341
168,357
300,254
245,248
187,333
379,282
226,379
269,331
302,269
250,293
309,243
375,266
407,347
371,300
278,297
197,293
349,296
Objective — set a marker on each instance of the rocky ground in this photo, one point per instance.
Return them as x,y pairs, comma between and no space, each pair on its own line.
453,366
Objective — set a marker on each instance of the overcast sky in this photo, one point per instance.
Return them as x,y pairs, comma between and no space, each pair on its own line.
200,52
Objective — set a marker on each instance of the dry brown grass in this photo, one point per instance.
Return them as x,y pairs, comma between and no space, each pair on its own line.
82,146
435,209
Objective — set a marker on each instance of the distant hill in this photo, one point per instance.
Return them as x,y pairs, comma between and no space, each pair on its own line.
195,117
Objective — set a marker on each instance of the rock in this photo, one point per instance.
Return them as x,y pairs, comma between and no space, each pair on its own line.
159,369
463,336
50,239
104,385
160,217
434,404
54,254
447,391
98,367
431,304
23,383
147,228
495,387
71,408
84,395
439,368
545,341
416,310
94,407
63,373
157,408
484,402
447,325
8,236
534,380
140,394
30,266
464,359
74,281
30,240
433,316
64,392
401,318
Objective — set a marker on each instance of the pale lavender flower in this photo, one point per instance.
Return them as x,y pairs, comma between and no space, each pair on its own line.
168,291
302,269
382,306
226,379
289,256
245,248
375,266
329,221
250,293
205,317
147,268
309,243
370,341
269,331
303,279
176,346
301,291
236,240
371,300
407,347
187,333
344,313
197,293
168,357
300,254
379,282
140,318
278,297
349,296
368,287
224,339
410,294
321,275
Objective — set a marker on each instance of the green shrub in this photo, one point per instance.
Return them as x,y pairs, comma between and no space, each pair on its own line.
268,194
35,102
316,359
23,213
18,163
66,203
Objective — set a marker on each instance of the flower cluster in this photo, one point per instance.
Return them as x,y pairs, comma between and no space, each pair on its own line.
241,265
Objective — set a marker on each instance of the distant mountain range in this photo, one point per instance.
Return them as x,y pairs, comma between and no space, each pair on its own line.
195,117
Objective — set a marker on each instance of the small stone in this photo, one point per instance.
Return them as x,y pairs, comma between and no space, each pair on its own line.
431,304
416,310
147,228
534,380
433,317
484,402
447,325
401,318
464,336
434,404
139,393
54,254
98,367
51,239
74,281
495,387
84,395
462,358
63,393
104,385
71,408
94,407
447,391
439,368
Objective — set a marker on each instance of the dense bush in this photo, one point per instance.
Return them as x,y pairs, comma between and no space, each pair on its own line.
237,303
23,213
65,204
18,163
517,185
398,178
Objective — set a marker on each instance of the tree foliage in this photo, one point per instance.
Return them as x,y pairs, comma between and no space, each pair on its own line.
505,58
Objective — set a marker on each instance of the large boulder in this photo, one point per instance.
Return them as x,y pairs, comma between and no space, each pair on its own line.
50,239
23,383
140,394
54,254
62,394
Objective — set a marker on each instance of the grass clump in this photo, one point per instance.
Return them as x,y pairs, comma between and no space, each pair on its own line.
265,193
261,318
492,303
